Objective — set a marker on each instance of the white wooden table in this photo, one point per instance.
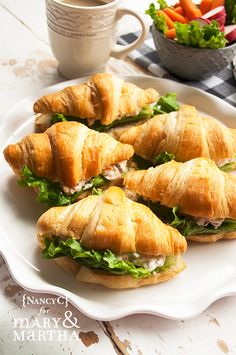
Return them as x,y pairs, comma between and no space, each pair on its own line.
26,66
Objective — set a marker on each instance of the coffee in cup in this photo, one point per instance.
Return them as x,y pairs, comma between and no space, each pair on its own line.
83,34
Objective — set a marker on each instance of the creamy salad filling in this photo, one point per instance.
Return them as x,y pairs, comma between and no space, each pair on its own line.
201,221
189,225
134,264
112,172
222,162
149,263
43,120
116,171
83,184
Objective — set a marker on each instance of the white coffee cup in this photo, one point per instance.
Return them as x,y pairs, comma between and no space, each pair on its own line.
84,37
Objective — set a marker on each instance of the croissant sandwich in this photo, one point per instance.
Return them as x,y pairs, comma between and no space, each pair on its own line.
186,135
195,197
67,160
102,102
112,241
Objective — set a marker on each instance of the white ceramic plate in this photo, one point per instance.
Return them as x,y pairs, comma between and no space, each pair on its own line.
211,271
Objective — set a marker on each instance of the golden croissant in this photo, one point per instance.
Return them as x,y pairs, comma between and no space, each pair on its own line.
200,199
70,154
111,240
184,133
103,97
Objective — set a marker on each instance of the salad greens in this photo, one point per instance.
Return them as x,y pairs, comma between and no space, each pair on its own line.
145,113
142,164
159,21
165,104
96,191
103,260
193,35
229,166
59,117
51,192
162,4
163,158
159,159
185,225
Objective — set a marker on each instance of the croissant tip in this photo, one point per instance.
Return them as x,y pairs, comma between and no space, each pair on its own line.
5,152
114,195
9,153
36,107
13,155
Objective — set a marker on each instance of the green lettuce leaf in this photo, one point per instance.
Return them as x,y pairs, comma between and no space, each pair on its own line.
103,260
229,166
146,112
143,164
166,104
185,225
51,192
163,158
193,35
159,21
162,4
96,191
151,11
59,117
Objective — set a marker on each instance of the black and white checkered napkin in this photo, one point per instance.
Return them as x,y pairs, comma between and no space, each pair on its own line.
222,85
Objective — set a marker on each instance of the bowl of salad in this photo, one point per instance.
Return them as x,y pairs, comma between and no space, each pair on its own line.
193,41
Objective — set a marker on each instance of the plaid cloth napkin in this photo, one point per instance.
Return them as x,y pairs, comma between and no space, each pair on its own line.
222,84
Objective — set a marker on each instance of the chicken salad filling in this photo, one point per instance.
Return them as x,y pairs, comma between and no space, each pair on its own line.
133,264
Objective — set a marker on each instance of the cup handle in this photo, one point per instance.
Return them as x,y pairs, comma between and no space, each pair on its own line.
119,51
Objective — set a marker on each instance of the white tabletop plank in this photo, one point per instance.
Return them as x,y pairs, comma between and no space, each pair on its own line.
90,335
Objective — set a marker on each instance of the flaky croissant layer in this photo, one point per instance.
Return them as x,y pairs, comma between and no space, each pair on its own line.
197,187
185,133
103,97
67,152
113,222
